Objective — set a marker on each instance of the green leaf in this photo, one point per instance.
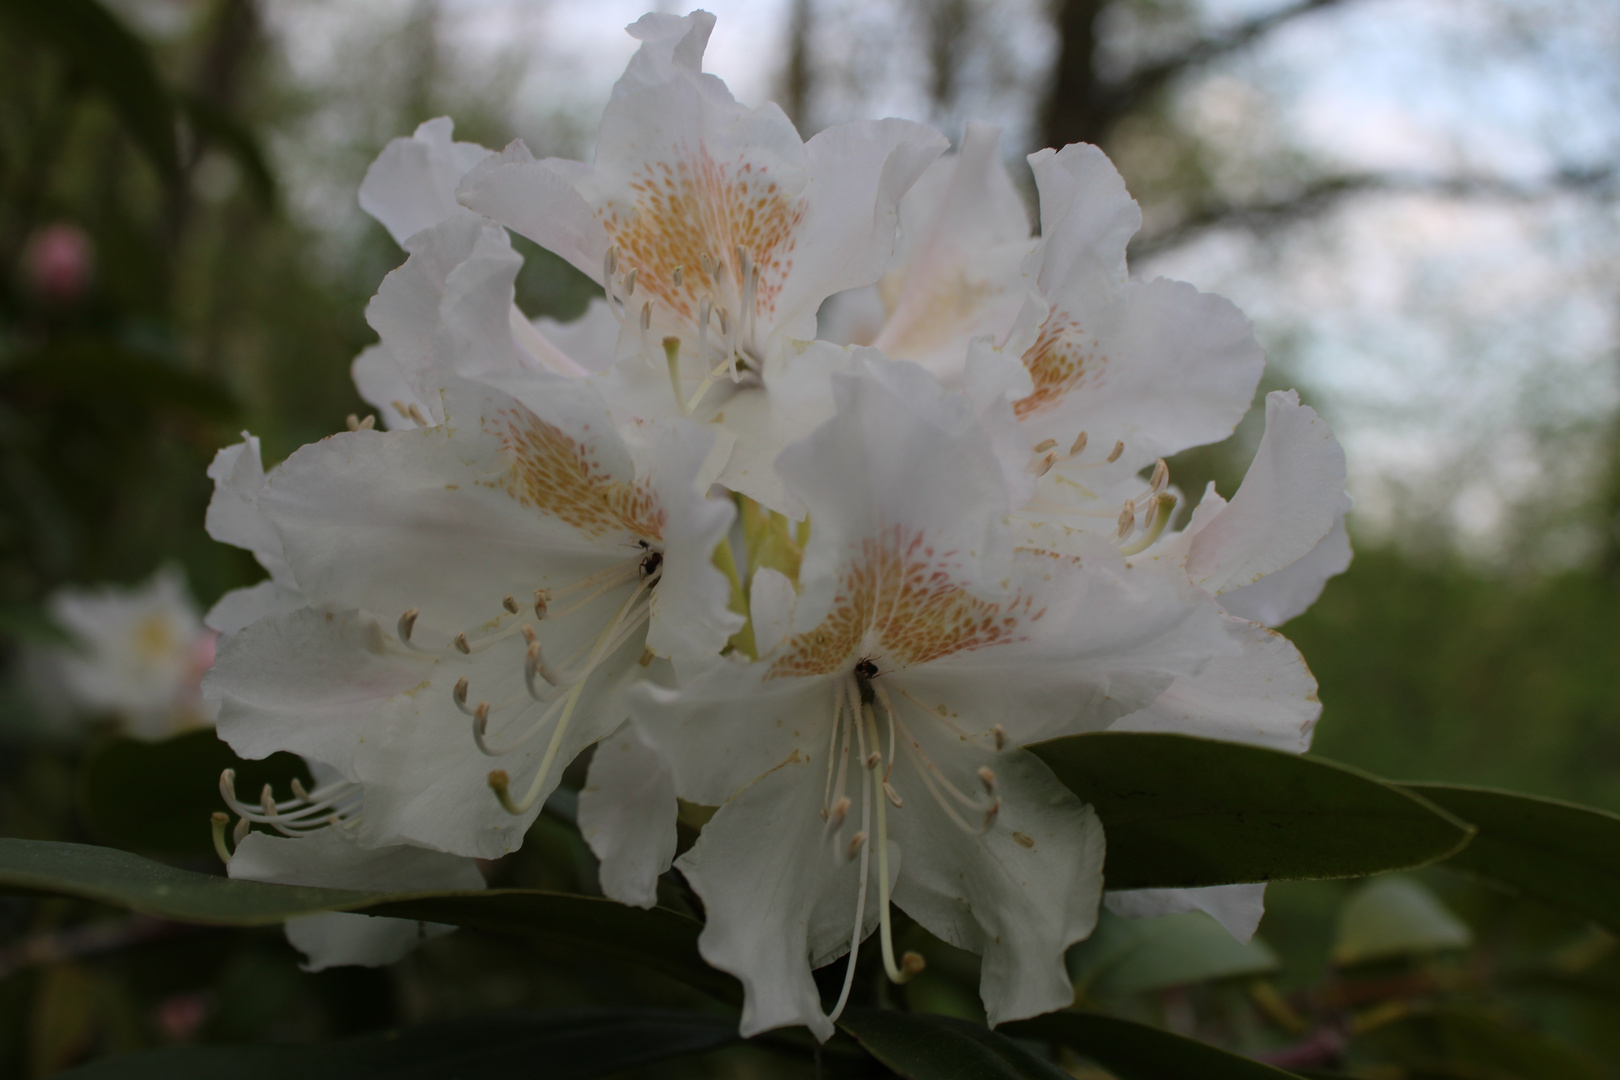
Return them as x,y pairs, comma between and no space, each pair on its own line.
157,796
658,939
1128,956
1395,916
102,369
921,1046
1181,812
1133,1051
1476,1045
566,1045
1556,852
113,62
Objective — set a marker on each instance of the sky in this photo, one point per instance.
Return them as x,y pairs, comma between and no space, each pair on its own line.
1465,349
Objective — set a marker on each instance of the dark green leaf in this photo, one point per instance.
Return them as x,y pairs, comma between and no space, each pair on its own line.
157,796
1128,956
569,1045
657,939
1556,852
1133,1051
235,139
112,61
1183,812
920,1046
104,370
1476,1045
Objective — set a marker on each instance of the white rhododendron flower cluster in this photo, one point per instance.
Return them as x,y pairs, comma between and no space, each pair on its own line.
829,586
136,655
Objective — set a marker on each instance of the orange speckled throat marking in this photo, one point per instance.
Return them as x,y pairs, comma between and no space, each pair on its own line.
695,207
1060,363
556,475
902,592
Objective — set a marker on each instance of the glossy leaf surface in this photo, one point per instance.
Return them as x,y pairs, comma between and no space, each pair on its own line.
1181,812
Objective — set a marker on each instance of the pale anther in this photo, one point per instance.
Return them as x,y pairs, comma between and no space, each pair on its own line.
540,603
353,422
415,412
243,827
510,604
646,316
1079,445
630,283
267,799
988,779
298,791
1045,465
1114,454
1044,445
1000,734
1127,518
462,646
990,814
856,842
840,809
481,714
873,759
407,623
894,796
369,422
647,657
679,271
459,694
1161,476
912,963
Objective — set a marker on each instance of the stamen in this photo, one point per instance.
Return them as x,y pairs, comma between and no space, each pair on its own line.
1044,445
630,283
832,743
1119,448
860,892
1079,446
239,833
462,645
840,810
459,695
540,604
298,791
610,264
353,422
1127,518
1161,476
368,422
672,355
855,844
990,814
988,779
534,664
510,604
407,623
1164,505
1041,466
894,796
220,819
886,930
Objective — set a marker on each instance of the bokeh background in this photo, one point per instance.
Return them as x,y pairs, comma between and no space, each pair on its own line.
1417,202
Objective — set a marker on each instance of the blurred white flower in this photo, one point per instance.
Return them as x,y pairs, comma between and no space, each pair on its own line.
137,655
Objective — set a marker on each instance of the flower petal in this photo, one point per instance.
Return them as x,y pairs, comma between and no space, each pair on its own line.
305,681
778,895
627,815
328,860
1287,503
412,184
1020,893
1264,695
1288,592
1087,216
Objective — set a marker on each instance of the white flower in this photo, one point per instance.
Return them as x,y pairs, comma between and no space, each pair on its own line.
886,726
137,653
963,268
715,231
480,589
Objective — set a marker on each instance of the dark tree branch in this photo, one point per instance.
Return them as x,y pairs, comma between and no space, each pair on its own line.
1081,107
1320,196
1148,80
